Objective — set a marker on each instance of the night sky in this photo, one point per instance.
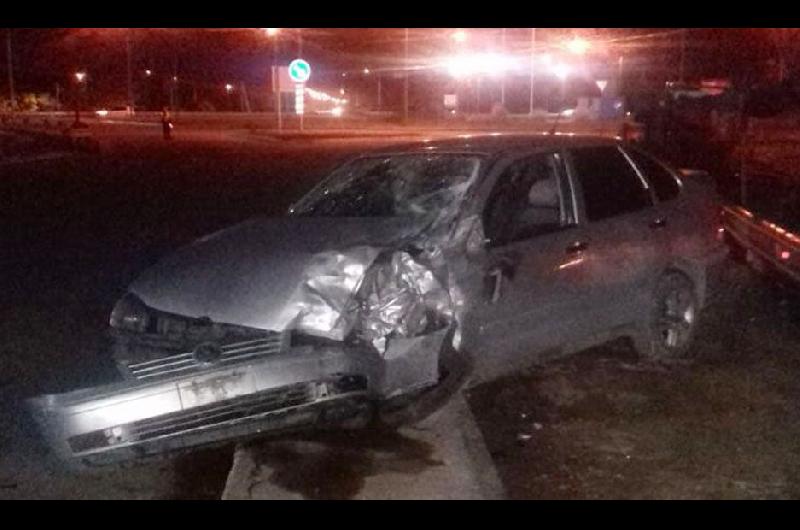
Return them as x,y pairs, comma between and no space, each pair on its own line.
44,57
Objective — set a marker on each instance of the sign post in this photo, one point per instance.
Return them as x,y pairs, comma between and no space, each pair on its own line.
300,72
276,89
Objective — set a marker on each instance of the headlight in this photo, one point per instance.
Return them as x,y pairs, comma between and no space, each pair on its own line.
130,313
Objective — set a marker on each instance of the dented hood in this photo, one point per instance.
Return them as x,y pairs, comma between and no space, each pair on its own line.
253,274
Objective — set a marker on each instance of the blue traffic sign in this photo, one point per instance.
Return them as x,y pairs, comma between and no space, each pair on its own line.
299,71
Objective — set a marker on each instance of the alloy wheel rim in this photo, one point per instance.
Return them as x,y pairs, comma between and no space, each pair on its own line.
676,317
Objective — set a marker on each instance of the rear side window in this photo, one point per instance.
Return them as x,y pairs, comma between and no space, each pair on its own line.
610,183
663,182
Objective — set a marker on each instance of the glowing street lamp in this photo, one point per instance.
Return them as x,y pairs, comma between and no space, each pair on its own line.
228,88
80,77
366,71
578,46
459,36
148,72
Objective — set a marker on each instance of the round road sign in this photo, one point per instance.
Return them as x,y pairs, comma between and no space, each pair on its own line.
299,71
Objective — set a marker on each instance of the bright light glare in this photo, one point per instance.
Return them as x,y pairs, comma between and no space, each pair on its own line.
102,113
148,72
271,32
318,95
459,36
337,111
479,63
366,71
561,70
228,87
577,46
80,76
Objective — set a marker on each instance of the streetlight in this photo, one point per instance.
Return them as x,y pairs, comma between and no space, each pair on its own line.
577,45
459,36
228,88
11,95
273,34
148,72
80,79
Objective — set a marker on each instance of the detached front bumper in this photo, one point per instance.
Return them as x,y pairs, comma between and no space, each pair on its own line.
135,419
297,388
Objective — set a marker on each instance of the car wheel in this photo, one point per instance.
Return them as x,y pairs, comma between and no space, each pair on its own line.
673,315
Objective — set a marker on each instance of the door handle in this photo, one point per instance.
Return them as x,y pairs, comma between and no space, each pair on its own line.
658,223
497,285
577,246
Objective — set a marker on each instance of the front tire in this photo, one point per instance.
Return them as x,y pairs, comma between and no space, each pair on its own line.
672,319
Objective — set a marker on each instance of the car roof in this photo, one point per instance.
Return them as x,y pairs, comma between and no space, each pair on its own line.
496,144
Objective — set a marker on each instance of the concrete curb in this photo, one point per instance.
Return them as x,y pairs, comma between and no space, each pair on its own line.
465,471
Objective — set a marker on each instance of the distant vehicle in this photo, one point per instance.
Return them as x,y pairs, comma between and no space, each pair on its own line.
397,277
114,112
766,241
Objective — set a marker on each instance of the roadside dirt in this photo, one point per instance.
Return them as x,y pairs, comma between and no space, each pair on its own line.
721,425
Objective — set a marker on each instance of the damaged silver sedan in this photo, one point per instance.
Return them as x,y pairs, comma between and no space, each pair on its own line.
377,283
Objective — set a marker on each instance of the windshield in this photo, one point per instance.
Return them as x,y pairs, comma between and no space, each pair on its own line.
392,186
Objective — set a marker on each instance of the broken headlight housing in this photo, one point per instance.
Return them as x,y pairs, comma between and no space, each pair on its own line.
400,297
131,314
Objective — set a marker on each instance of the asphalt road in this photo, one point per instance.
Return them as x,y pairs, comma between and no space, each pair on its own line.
76,230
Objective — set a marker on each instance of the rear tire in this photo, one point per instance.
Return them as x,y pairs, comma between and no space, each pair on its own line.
672,319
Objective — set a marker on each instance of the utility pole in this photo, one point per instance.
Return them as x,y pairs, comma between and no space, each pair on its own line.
130,71
503,78
379,91
533,64
299,43
11,95
683,54
172,104
405,84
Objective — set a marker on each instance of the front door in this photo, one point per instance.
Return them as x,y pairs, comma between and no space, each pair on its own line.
533,271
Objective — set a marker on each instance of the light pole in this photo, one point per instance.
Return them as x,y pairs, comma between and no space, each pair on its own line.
503,78
11,95
683,53
533,62
80,80
405,83
128,46
273,33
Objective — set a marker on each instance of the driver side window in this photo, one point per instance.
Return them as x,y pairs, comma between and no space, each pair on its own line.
527,201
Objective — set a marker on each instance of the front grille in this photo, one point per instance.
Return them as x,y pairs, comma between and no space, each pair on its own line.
227,411
230,353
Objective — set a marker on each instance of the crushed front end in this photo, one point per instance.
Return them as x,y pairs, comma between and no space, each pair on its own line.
192,381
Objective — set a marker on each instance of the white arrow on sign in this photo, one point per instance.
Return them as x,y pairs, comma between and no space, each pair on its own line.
299,70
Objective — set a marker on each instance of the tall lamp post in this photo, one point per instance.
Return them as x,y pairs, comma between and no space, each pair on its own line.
533,62
80,88
273,33
405,81
12,98
128,46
